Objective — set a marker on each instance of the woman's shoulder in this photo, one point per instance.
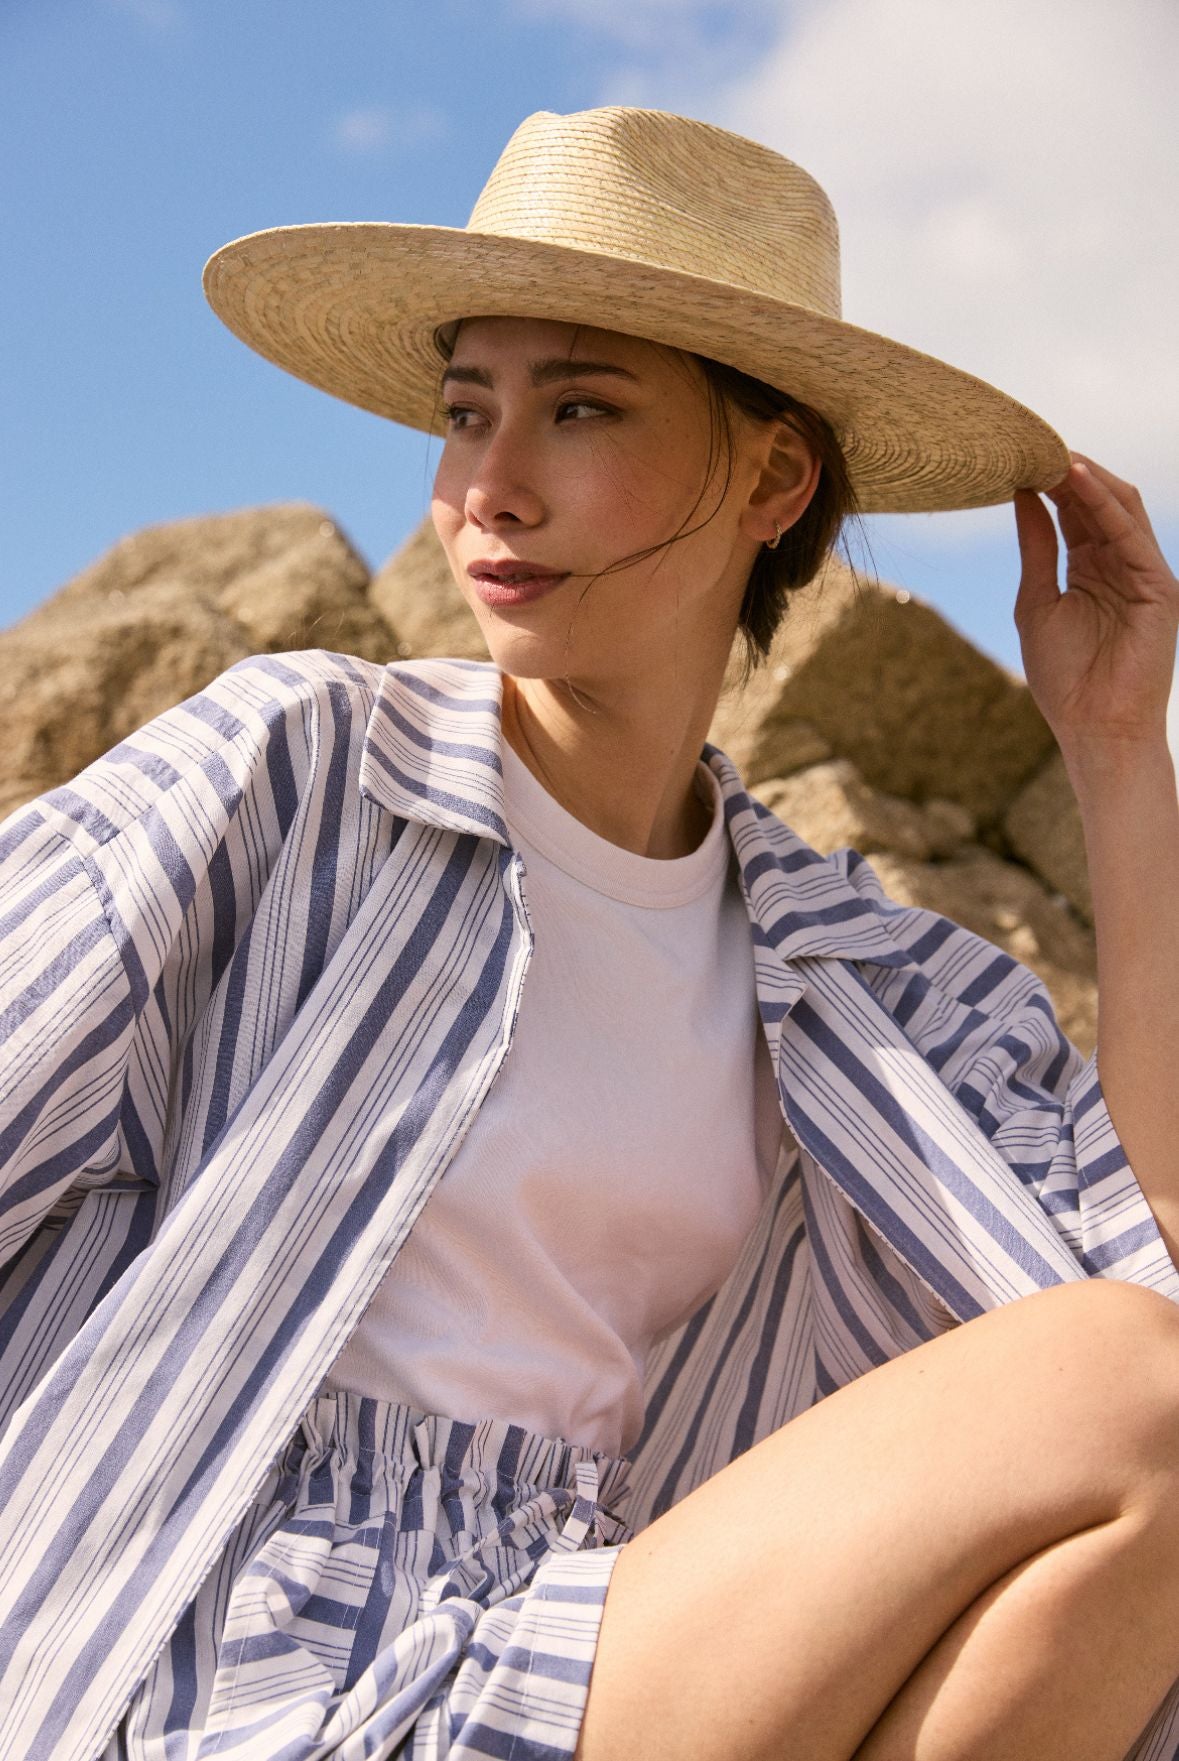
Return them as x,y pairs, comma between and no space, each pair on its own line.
271,719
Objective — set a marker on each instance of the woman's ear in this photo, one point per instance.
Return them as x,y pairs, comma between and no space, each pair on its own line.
787,480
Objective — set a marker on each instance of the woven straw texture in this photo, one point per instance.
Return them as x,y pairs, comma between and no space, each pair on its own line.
653,224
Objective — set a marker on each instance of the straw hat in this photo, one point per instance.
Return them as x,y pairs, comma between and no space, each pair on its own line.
653,224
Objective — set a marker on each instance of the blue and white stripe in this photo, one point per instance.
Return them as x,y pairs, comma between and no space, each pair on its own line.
259,967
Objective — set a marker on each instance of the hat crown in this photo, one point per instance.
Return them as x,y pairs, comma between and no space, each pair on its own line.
670,191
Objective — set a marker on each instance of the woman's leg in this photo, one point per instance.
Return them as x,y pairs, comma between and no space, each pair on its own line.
783,1605
1068,1655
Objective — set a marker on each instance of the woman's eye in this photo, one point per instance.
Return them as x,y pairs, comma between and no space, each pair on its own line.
454,414
463,416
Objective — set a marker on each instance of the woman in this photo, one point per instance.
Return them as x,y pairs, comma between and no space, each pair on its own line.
316,1453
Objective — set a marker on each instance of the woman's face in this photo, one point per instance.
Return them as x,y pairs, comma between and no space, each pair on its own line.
568,448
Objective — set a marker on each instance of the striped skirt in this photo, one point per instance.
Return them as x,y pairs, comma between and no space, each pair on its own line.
404,1585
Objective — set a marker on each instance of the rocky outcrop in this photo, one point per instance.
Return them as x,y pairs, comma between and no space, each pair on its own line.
416,594
873,723
890,685
160,615
1043,828
838,807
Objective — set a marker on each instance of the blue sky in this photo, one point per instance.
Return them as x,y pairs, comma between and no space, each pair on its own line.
136,136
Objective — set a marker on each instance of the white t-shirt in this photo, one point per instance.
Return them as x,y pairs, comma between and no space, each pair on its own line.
619,1160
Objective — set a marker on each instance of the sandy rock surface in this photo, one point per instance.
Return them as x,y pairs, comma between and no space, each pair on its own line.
161,614
1044,830
830,805
888,683
416,594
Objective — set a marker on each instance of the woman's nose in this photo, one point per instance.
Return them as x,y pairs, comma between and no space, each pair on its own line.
502,490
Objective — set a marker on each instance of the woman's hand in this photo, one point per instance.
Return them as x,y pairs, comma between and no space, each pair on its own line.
1099,657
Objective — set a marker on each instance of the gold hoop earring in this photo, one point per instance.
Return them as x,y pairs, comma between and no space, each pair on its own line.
773,543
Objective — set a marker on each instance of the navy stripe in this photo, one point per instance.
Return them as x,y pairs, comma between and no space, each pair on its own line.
840,1298
746,1429
73,805
15,832
431,743
322,887
442,798
889,1110
212,715
158,769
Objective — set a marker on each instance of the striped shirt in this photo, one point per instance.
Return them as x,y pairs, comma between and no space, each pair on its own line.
259,966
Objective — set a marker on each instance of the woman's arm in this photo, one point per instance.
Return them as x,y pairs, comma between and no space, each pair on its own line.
1100,661
67,1015
1130,811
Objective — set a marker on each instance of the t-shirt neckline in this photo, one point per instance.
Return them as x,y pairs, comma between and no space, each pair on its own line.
537,819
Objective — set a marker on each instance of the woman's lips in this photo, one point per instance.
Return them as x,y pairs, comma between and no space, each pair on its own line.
493,591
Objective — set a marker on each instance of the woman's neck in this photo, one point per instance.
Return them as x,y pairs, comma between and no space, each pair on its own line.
626,770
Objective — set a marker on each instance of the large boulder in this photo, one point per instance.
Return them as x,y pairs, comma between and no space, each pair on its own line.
1043,827
285,574
418,597
81,678
158,616
831,805
891,685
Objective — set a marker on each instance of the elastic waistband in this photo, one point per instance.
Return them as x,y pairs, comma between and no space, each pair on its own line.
360,1426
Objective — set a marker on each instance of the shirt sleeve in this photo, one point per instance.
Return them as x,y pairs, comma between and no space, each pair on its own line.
67,1019
1040,1101
987,1024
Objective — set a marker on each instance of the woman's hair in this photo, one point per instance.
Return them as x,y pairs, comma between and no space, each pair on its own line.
805,546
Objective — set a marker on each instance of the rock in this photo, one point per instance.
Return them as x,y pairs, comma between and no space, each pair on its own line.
298,601
796,745
158,616
891,685
1008,905
416,594
830,805
211,552
1043,825
285,574
81,676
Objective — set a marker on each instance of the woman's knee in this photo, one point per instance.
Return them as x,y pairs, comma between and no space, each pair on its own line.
1126,1322
1112,1348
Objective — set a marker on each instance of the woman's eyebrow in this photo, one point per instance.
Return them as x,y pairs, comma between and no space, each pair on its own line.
546,372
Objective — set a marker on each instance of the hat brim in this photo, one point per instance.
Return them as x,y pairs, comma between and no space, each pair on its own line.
353,307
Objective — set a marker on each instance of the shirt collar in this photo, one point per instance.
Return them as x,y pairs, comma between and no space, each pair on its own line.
432,753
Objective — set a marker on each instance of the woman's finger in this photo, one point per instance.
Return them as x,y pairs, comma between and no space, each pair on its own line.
1124,493
1104,509
1076,527
1038,551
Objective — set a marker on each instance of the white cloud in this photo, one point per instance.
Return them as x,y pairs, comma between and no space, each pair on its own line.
1004,180
377,128
364,130
165,17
